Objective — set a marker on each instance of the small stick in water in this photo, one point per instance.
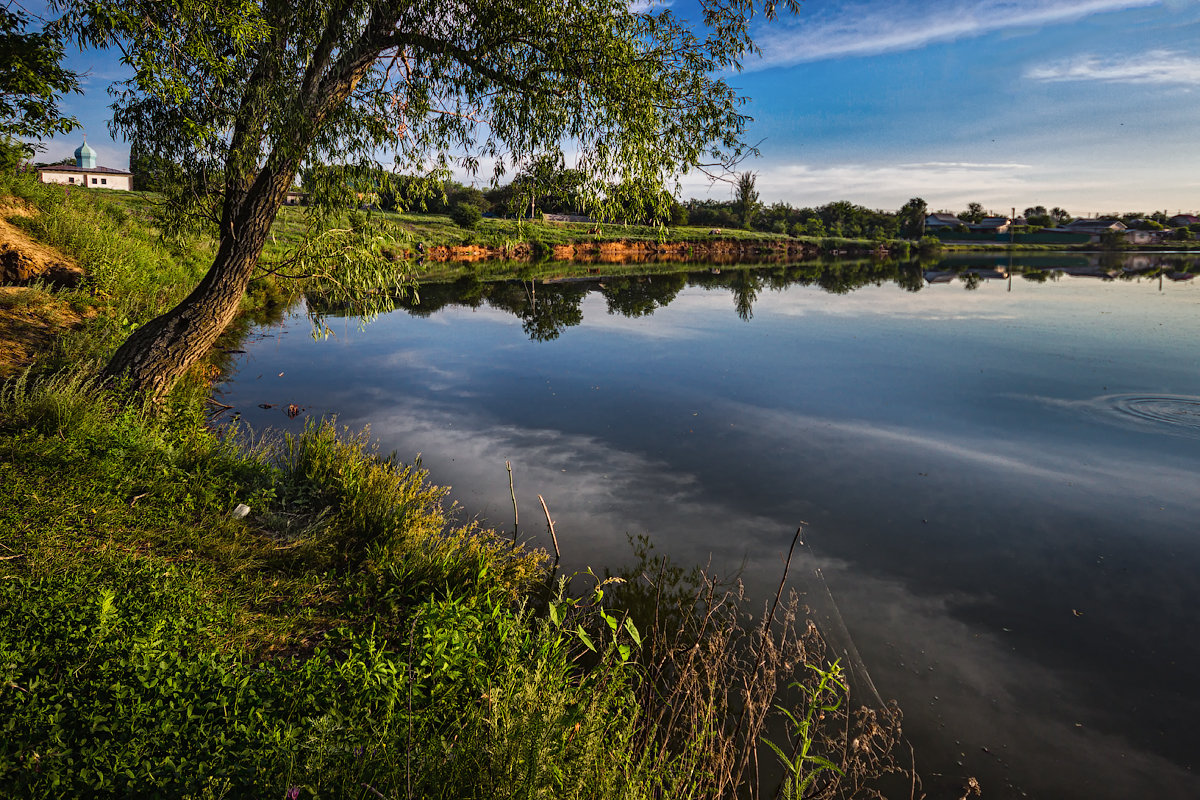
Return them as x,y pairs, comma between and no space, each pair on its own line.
550,524
513,492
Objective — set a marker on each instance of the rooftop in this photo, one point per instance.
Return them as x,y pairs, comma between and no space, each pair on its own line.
73,168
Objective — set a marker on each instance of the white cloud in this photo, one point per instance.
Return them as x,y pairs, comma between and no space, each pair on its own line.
859,30
1093,184
1154,67
961,166
943,184
649,6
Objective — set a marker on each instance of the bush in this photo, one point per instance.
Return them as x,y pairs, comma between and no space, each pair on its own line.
929,244
468,195
13,154
540,250
465,215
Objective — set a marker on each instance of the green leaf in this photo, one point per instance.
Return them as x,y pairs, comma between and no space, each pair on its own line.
633,632
587,640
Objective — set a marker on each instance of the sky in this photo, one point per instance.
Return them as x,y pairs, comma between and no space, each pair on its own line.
1091,105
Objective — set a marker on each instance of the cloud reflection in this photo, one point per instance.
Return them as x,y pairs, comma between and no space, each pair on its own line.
960,685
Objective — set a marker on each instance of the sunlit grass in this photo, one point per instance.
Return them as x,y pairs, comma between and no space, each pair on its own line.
186,611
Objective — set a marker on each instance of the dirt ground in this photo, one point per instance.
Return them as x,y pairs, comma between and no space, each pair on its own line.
31,317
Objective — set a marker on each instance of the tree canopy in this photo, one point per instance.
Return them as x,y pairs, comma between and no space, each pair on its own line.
746,197
32,81
974,213
912,218
232,98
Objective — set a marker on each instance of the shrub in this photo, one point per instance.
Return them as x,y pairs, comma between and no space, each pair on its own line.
929,244
465,215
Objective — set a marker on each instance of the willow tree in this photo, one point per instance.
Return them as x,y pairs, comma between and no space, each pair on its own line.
231,98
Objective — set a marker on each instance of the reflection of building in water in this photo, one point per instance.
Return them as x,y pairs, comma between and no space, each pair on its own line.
1140,263
1090,271
990,273
1105,267
975,273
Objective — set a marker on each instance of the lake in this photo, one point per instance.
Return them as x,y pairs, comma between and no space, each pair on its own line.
995,462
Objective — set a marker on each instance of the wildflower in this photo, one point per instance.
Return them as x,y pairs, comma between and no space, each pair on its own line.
293,793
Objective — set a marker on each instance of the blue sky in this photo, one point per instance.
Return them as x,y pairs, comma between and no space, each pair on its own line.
1093,105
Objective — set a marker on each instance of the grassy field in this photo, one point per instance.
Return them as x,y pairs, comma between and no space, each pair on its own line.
187,612
439,230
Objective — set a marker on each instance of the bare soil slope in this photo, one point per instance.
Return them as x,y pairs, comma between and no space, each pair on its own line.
30,316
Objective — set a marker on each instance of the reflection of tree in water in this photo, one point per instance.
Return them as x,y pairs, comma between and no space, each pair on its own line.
1112,260
429,298
545,309
971,281
845,278
745,287
778,278
1181,264
909,277
639,296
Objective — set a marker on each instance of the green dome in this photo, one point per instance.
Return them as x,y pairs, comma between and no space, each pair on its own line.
85,156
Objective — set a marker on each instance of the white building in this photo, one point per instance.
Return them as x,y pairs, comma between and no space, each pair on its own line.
86,173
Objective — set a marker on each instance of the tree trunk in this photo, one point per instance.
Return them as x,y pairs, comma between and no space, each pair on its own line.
158,353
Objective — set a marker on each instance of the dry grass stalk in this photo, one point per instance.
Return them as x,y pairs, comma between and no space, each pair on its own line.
716,679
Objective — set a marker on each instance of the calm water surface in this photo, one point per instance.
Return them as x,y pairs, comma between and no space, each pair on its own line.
999,486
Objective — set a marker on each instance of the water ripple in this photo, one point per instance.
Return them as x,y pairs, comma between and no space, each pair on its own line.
1180,412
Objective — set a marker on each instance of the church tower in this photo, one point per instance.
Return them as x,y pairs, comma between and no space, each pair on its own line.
85,157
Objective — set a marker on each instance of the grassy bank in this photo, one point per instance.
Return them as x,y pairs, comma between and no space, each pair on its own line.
438,230
346,636
536,237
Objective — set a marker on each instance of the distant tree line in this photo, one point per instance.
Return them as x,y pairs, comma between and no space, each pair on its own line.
538,189
544,187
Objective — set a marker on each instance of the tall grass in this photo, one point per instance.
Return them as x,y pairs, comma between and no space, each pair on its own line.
132,272
349,637
347,634
115,241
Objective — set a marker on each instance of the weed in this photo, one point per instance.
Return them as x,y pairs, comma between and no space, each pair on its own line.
22,298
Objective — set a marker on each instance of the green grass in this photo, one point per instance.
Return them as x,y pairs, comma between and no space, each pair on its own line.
440,230
133,273
348,637
345,633
436,229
